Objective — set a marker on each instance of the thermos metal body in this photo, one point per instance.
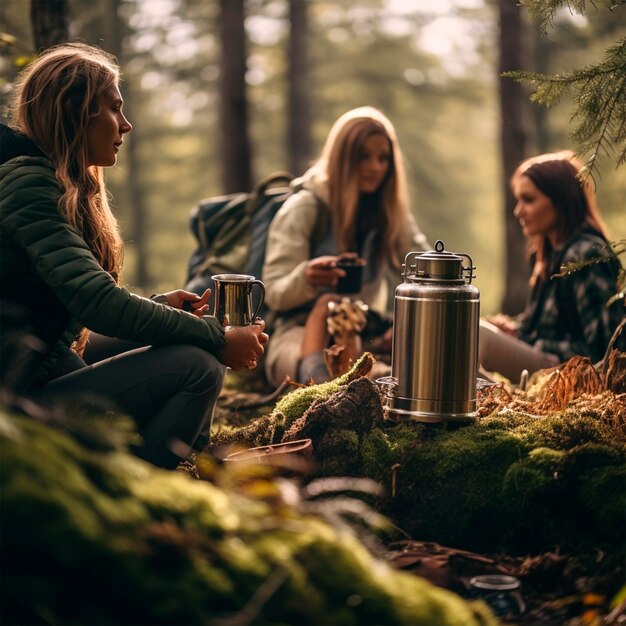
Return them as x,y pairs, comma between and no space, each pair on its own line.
434,356
435,342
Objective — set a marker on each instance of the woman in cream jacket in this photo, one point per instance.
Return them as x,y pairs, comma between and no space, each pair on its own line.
352,200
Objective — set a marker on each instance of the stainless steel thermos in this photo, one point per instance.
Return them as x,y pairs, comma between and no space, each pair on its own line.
435,339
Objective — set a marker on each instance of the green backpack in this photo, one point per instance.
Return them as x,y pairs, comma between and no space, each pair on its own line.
231,231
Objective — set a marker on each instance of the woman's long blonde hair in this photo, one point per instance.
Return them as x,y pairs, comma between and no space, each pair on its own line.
338,167
55,98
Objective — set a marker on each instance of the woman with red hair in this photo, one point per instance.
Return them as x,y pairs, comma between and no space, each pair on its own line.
565,315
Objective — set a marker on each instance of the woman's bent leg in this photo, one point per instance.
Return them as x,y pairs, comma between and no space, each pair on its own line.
283,355
170,391
313,368
502,353
100,347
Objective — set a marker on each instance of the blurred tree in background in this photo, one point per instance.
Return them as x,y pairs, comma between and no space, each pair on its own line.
50,22
514,140
234,140
433,67
299,139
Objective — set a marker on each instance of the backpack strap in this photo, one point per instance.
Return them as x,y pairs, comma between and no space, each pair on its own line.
323,222
259,192
271,179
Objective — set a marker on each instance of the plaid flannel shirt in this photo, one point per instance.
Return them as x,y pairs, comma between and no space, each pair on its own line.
568,315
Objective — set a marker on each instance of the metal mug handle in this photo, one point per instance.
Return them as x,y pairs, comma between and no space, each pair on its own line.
261,286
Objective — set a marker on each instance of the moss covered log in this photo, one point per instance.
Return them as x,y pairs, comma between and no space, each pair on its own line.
95,536
510,483
514,481
270,428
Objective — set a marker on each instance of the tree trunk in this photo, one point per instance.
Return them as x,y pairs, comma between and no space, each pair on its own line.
50,22
299,141
513,101
541,57
235,143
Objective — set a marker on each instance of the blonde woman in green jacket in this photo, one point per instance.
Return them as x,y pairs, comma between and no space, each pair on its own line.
61,261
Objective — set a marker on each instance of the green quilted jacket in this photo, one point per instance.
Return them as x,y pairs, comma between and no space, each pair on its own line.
51,286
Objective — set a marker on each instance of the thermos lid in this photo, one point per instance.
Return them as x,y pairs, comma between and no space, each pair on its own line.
438,263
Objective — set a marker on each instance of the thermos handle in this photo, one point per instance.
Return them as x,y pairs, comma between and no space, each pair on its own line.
409,268
468,271
261,286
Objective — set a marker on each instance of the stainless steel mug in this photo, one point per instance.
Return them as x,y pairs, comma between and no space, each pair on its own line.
233,299
435,339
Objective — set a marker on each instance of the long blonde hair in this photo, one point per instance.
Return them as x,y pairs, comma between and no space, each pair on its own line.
55,98
338,168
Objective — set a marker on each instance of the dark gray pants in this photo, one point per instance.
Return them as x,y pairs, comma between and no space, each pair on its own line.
170,392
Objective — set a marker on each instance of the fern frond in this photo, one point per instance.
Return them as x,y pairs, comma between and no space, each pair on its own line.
575,266
618,247
600,112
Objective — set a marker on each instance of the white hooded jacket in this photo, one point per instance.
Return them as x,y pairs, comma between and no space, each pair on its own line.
289,249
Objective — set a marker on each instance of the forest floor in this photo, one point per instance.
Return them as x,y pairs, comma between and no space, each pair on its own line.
556,588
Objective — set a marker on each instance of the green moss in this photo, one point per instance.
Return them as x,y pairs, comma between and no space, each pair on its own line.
521,481
511,482
99,537
262,431
294,404
487,487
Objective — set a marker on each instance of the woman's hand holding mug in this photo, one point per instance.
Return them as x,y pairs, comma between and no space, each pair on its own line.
323,272
244,345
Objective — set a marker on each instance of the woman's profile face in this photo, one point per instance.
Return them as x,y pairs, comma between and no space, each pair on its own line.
534,210
105,130
374,163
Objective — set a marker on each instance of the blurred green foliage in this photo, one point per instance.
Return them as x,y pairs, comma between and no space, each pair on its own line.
81,526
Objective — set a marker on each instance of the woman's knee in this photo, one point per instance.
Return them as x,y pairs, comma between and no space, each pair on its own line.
202,370
312,367
486,335
283,355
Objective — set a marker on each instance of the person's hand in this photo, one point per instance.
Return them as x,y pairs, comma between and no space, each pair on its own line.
192,302
504,323
322,272
244,345
347,256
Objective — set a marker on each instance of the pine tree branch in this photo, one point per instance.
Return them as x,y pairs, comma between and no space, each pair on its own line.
600,102
543,11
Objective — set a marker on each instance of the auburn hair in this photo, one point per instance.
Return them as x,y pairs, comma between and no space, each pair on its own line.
55,98
559,176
